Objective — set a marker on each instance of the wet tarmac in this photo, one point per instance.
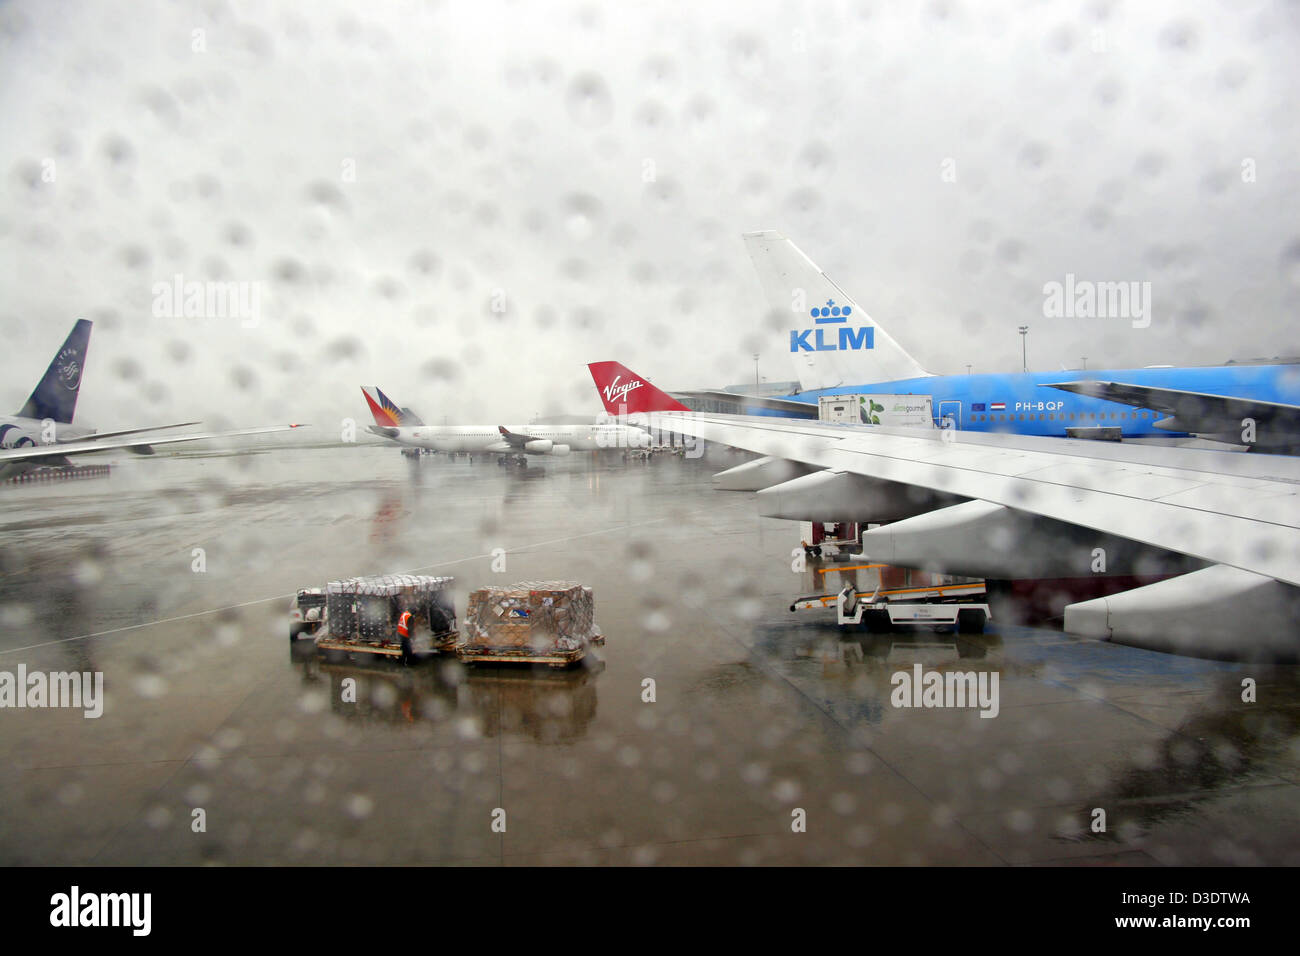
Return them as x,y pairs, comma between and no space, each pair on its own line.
771,739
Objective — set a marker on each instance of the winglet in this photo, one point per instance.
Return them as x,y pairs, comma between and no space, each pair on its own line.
625,392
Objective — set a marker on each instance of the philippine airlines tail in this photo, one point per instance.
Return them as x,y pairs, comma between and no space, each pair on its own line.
55,396
385,411
832,341
625,392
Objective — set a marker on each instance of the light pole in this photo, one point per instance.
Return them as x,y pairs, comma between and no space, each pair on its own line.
757,388
967,369
1024,354
1085,363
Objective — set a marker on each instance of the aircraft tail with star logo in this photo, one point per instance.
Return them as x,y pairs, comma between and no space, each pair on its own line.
55,396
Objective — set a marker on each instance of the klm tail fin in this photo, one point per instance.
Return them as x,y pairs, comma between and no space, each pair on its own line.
832,341
56,394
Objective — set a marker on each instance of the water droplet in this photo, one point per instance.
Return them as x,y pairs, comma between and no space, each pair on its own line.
589,101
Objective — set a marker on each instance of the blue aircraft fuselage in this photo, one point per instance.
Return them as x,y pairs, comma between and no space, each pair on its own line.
1022,403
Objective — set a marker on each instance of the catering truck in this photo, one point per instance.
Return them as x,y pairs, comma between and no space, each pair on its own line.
915,411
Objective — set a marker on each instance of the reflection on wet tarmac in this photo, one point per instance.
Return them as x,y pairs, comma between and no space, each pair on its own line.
542,703
720,712
1234,745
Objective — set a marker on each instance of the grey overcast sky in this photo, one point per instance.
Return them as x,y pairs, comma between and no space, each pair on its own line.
466,202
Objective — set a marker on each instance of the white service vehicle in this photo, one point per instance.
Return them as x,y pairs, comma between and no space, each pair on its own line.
878,613
307,613
914,411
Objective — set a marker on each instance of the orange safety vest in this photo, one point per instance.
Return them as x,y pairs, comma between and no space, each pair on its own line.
404,624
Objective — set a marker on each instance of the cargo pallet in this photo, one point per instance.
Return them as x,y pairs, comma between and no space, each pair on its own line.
487,654
479,654
441,644
361,614
531,622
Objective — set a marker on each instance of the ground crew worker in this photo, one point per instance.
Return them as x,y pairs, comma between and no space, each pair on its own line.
404,624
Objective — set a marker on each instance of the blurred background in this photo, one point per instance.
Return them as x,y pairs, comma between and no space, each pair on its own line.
466,202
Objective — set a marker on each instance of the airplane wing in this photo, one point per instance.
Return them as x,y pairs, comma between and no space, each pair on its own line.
737,401
99,436
1182,500
526,444
1198,412
35,453
514,439
984,500
1240,514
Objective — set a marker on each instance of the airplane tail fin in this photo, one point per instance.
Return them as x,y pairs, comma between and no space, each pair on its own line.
56,394
832,340
624,391
385,411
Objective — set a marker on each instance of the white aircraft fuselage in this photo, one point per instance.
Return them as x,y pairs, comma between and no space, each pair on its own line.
20,432
540,439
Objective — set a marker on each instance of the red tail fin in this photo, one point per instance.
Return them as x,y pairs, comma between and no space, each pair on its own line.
622,390
382,409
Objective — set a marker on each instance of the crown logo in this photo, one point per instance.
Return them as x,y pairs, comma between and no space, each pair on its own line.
832,312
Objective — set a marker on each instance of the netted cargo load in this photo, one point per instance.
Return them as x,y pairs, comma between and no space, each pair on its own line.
542,620
340,607
367,608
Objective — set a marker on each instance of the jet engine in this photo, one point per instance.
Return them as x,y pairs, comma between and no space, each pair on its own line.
11,436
